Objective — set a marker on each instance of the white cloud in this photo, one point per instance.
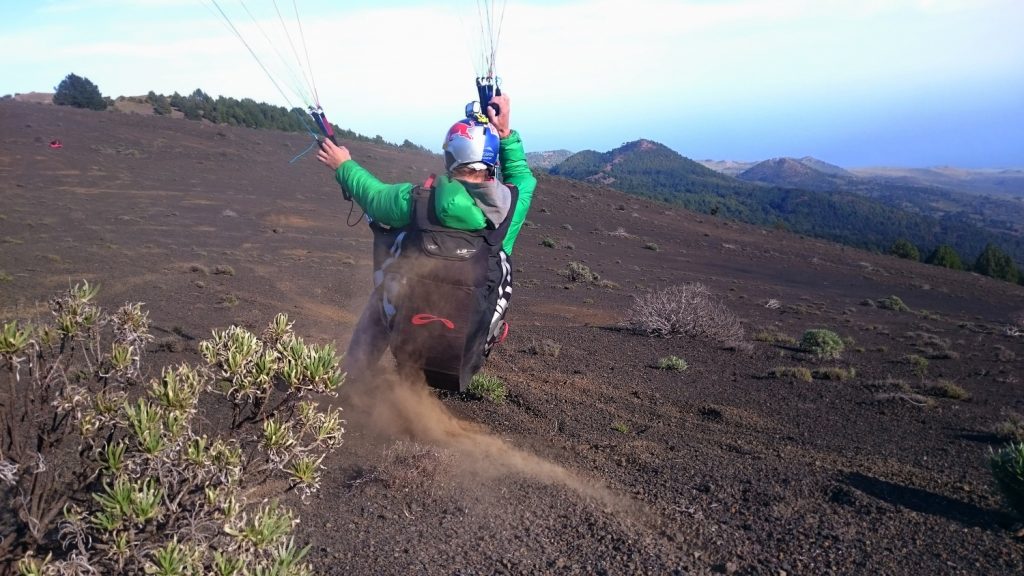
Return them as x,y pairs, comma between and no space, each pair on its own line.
586,63
69,6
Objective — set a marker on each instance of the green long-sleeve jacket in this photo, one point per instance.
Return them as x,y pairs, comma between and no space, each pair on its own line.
391,204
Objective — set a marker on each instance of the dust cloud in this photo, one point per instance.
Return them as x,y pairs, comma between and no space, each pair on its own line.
389,407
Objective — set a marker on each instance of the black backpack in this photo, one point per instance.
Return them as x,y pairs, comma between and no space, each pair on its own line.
444,292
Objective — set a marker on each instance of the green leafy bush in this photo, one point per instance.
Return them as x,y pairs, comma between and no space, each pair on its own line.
673,363
488,388
123,474
822,343
918,363
894,303
1007,467
548,243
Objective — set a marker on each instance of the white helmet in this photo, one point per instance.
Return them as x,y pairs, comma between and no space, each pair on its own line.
473,143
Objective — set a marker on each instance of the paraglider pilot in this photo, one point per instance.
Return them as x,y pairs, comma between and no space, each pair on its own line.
442,251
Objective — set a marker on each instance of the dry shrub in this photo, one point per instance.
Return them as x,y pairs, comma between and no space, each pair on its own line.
775,337
908,397
834,373
796,373
580,272
1012,428
1004,354
1017,319
408,465
688,309
947,389
545,347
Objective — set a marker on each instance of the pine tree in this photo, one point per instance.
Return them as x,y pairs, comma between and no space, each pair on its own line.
161,105
944,255
902,248
995,263
79,92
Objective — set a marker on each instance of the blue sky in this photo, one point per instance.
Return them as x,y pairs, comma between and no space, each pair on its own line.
853,82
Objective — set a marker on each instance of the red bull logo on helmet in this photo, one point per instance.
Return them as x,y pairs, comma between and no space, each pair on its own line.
460,129
468,142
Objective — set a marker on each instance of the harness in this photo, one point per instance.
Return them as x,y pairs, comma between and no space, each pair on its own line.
443,292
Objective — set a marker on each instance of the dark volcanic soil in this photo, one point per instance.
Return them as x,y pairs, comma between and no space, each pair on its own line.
598,463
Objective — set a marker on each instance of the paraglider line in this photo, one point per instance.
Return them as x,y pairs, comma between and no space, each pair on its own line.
305,119
305,47
296,83
253,53
306,151
292,44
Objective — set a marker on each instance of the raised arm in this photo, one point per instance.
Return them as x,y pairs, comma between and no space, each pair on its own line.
389,204
514,168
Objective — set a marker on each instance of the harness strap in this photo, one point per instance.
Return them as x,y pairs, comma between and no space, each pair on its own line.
424,215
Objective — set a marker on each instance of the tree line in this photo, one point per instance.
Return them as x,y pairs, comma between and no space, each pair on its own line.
655,171
80,92
658,172
991,262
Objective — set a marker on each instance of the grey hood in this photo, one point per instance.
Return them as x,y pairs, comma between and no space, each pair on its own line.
492,197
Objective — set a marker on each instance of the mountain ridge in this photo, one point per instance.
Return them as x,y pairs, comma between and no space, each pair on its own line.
788,192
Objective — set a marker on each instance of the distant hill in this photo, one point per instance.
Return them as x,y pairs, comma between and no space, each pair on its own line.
825,167
833,211
37,97
1008,183
644,167
794,173
547,159
993,213
735,168
729,167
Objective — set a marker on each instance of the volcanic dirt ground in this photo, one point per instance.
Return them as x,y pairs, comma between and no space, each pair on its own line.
598,462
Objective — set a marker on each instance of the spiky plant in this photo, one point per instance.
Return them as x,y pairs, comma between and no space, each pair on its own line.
1007,467
171,498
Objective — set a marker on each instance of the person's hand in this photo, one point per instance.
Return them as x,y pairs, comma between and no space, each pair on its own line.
499,121
332,155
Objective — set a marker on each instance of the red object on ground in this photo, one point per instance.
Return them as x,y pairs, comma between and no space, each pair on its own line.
55,144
